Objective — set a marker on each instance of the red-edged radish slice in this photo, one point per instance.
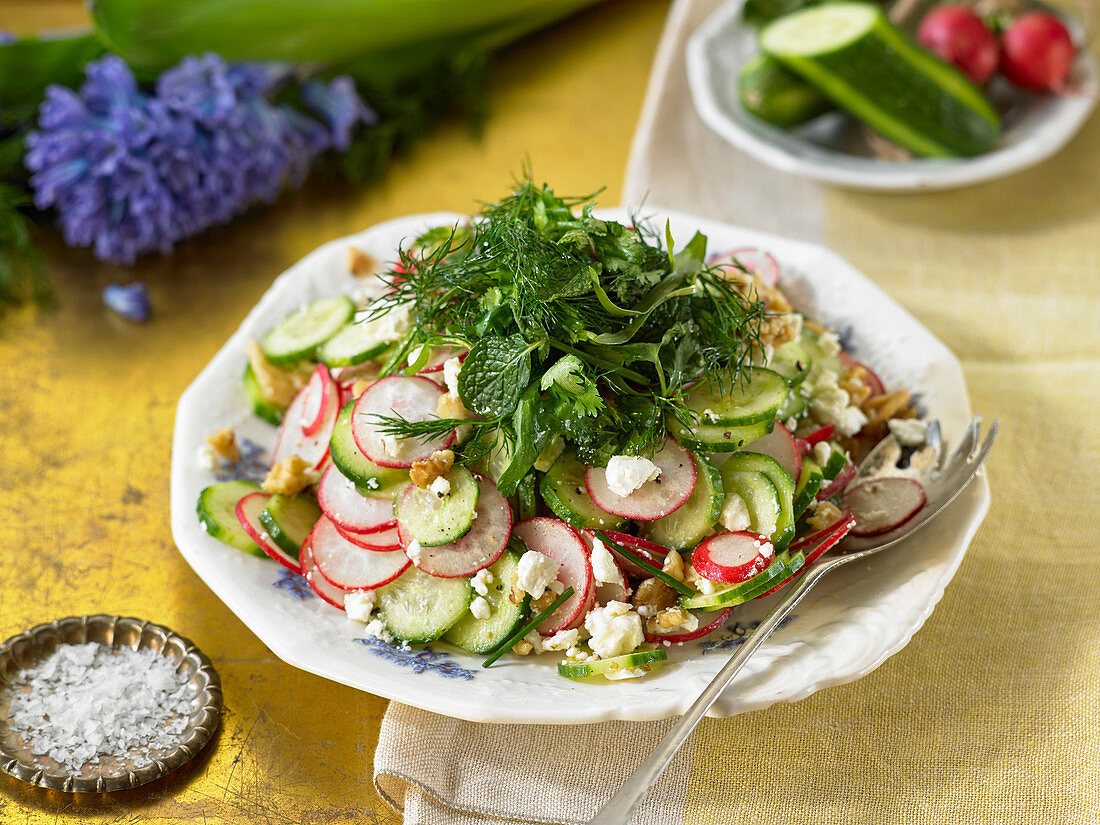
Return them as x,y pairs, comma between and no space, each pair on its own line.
654,499
385,541
348,566
556,539
815,545
321,586
780,445
410,397
349,375
321,391
612,591
349,509
732,558
806,443
294,440
481,546
870,379
838,483
883,504
702,630
248,514
650,551
439,356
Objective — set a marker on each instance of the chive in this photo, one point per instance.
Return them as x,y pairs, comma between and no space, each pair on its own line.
516,635
652,569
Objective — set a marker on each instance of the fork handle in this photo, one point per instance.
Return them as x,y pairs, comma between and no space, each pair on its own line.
620,807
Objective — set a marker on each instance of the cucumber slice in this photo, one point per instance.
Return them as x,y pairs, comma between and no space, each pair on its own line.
217,510
483,635
690,523
289,520
576,669
299,334
370,478
792,362
857,58
353,345
794,406
564,491
425,517
810,482
527,496
418,608
837,461
783,485
271,413
760,495
811,344
714,438
774,574
778,96
748,402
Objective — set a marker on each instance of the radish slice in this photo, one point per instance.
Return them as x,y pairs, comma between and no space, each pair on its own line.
780,445
294,440
385,541
439,356
732,557
759,263
481,546
648,550
321,586
817,436
883,504
248,514
870,379
703,630
815,545
348,566
348,375
319,390
410,397
613,591
838,483
556,539
654,499
349,509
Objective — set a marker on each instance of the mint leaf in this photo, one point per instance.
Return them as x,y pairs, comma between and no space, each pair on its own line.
495,374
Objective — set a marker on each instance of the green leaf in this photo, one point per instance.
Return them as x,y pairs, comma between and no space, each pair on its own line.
495,374
29,65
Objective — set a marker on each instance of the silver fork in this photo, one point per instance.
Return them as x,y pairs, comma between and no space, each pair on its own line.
943,478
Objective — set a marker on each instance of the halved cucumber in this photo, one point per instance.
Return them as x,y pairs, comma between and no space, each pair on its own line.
688,525
857,58
418,608
483,635
289,520
782,483
746,402
217,510
575,669
370,478
353,345
714,438
299,334
810,482
778,96
271,413
563,489
424,516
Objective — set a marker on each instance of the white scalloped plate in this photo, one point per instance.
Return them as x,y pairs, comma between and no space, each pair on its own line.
828,150
848,626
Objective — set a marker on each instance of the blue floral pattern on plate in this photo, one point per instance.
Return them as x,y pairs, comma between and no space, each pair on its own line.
420,661
736,635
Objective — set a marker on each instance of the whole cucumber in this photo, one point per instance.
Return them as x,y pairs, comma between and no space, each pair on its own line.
777,95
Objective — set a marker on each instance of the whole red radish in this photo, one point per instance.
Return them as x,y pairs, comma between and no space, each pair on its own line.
957,35
1037,52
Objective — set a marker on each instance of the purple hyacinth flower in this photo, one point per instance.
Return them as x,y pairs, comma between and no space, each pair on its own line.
340,105
130,301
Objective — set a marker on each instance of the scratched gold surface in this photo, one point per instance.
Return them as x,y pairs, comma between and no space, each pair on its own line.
87,404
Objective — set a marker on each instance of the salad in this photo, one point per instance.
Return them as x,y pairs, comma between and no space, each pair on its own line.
539,431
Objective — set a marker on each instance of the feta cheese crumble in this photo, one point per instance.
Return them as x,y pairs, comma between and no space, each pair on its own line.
735,514
359,606
562,640
822,452
376,630
910,432
615,628
413,551
627,473
481,581
441,487
604,568
451,369
535,572
480,608
831,404
626,673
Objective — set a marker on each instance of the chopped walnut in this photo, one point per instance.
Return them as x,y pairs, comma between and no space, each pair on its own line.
672,617
674,565
543,601
361,263
277,386
825,515
776,330
652,596
451,406
290,476
439,463
856,386
522,647
225,444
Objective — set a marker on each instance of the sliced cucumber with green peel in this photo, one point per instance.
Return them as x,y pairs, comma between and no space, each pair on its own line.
217,509
693,520
431,519
483,635
271,413
747,402
353,345
370,478
715,438
792,362
564,492
811,345
810,482
576,669
299,334
527,496
772,575
748,463
760,496
289,519
861,61
418,608
838,458
794,406
778,96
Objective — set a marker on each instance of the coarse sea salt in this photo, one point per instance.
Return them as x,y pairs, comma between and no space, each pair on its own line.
89,701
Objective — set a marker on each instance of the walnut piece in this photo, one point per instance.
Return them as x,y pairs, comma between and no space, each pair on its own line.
451,406
224,443
277,386
674,565
543,601
652,596
359,386
290,476
671,617
522,647
825,514
439,463
361,263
